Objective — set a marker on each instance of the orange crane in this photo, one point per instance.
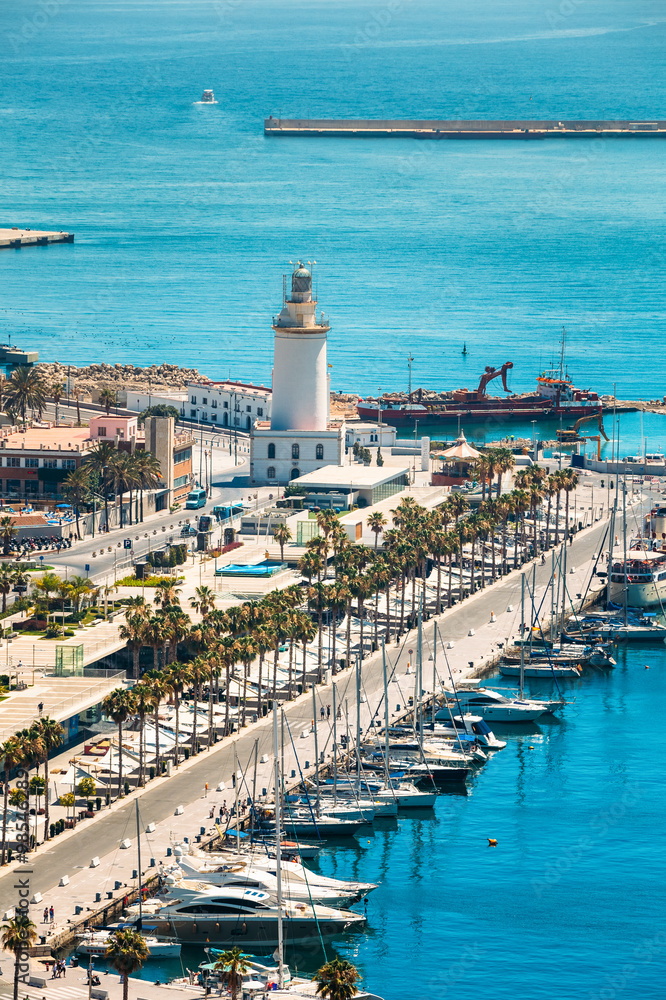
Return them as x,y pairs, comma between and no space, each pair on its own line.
571,433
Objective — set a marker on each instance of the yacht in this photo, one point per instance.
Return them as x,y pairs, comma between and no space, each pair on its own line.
208,97
404,793
199,913
542,671
642,582
471,725
216,867
96,942
495,707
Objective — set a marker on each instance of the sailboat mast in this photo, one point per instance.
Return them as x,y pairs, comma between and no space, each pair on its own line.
522,645
278,846
335,749
386,712
358,716
624,541
434,676
316,747
138,851
237,817
417,677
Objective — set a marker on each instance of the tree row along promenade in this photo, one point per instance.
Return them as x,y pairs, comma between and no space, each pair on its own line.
160,799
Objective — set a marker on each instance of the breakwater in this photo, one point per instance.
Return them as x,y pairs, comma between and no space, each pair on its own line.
481,129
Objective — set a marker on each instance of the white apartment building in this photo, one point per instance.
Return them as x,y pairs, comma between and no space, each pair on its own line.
228,404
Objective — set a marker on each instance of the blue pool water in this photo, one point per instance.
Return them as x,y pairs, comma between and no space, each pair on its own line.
267,567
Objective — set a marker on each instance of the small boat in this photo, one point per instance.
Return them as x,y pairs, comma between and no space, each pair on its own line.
471,725
545,671
96,942
208,97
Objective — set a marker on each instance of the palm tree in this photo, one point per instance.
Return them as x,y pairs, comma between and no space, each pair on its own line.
376,523
148,471
178,677
143,703
118,705
76,487
504,462
203,601
133,632
177,626
156,636
569,484
8,578
282,535
57,391
307,630
108,398
166,594
7,533
482,469
317,594
120,473
126,952
337,979
233,965
159,689
48,585
26,390
52,734
12,754
199,671
18,935
77,392
520,503
99,459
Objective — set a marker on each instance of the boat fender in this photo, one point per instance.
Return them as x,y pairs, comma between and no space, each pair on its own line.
492,842
194,928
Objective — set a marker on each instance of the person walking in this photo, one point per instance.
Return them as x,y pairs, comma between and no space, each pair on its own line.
46,914
328,712
52,914
322,712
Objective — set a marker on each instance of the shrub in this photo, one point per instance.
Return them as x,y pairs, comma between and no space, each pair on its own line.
98,802
231,546
151,772
52,830
127,787
87,788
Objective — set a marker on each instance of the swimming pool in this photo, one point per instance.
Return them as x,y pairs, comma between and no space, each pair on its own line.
267,567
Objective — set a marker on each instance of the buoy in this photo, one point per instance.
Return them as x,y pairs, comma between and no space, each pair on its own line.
647,667
530,748
492,842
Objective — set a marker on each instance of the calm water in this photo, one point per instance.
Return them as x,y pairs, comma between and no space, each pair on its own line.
186,216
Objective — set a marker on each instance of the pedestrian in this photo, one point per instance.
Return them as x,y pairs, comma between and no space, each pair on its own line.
322,712
233,780
222,807
328,711
339,712
52,914
64,969
211,814
46,914
206,791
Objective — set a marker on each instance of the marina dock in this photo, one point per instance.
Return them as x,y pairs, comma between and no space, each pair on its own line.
364,128
15,238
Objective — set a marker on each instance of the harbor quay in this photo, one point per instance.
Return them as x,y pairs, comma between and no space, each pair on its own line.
180,806
17,238
521,129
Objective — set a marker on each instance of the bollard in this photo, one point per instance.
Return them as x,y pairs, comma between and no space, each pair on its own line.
78,909
117,885
264,792
153,863
397,708
307,764
98,897
109,895
202,829
198,838
293,773
135,873
168,853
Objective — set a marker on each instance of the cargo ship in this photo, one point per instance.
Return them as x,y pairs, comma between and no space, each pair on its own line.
555,397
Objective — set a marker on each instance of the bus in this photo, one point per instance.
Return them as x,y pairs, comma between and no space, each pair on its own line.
195,498
223,512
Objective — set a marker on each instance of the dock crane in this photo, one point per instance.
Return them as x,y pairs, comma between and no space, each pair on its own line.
569,435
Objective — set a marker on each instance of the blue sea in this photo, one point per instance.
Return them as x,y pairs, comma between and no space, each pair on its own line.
186,217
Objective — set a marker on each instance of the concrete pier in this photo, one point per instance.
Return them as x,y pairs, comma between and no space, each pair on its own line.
482,129
16,238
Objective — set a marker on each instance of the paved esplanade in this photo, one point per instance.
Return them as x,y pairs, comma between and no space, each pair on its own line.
159,800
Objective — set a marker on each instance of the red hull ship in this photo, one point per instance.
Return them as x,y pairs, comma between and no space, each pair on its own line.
555,397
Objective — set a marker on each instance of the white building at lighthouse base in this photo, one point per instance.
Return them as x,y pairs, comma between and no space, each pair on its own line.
278,456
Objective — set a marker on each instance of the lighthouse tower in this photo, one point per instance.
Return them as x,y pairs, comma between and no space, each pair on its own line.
300,437
300,373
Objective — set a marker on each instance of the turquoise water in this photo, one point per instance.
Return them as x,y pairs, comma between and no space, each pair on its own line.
186,216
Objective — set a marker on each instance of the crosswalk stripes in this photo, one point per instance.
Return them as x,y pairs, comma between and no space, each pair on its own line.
50,992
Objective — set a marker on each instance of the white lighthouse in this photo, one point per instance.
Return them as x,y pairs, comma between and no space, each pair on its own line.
300,373
300,437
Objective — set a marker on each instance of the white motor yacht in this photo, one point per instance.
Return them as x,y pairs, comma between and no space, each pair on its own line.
492,706
472,725
96,942
208,97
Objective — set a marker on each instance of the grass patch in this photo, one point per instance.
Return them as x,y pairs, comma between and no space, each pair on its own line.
151,581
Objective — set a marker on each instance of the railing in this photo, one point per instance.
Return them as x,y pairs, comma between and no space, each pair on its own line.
60,709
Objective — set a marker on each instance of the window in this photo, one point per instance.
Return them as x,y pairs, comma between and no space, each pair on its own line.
205,415
213,403
120,432
68,463
225,405
101,432
32,463
260,411
50,463
214,416
193,414
182,456
319,451
237,407
205,400
249,409
193,399
14,462
271,450
295,451
180,481
295,473
270,472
